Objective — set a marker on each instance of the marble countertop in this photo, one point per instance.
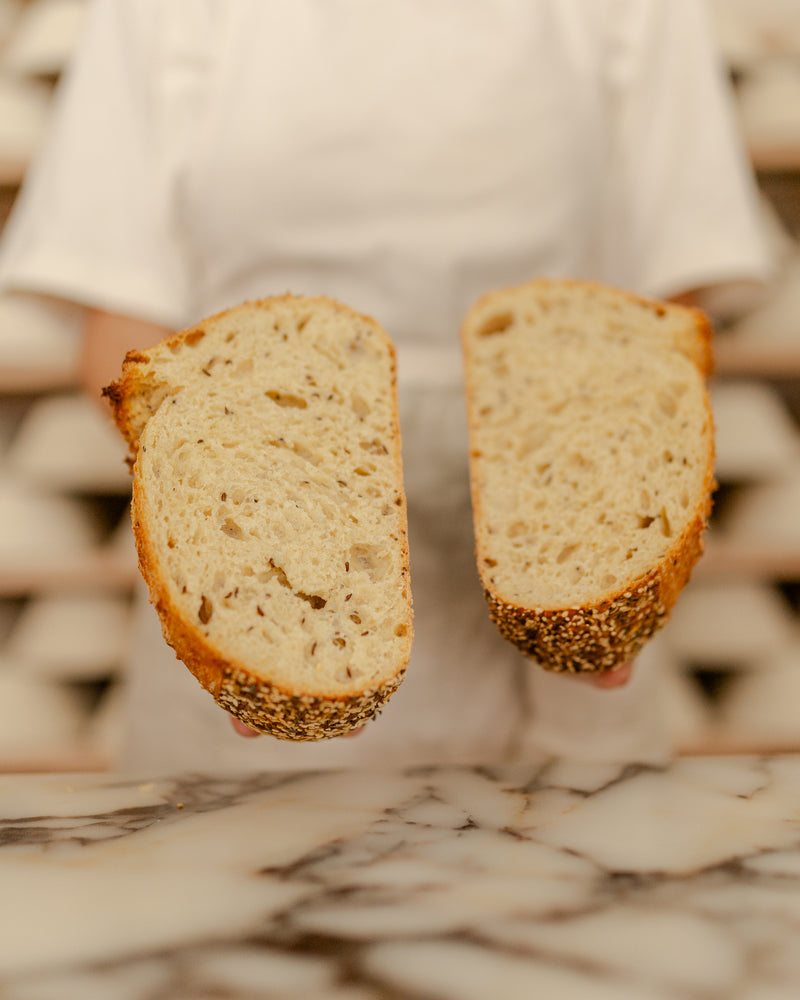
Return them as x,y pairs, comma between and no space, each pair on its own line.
555,880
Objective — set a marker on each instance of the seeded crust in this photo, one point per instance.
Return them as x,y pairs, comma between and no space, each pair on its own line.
287,711
605,633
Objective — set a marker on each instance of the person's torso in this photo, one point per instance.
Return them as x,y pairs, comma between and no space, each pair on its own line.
403,157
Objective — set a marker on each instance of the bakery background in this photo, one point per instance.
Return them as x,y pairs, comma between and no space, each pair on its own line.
731,652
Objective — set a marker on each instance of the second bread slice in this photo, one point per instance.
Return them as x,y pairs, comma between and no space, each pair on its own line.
591,465
269,511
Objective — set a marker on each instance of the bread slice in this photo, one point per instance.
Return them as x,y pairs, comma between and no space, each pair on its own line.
591,464
269,512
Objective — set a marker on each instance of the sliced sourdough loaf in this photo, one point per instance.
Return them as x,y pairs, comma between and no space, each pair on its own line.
269,512
591,464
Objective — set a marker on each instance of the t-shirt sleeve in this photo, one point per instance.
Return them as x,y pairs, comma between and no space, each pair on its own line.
682,200
94,222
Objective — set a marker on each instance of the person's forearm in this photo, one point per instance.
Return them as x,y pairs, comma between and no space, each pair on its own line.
107,339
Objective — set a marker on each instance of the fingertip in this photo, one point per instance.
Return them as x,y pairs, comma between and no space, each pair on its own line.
353,732
243,729
608,679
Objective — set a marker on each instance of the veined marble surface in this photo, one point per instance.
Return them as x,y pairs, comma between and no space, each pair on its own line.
552,881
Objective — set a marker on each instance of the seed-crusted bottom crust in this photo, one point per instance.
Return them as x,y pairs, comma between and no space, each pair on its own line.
605,635
297,717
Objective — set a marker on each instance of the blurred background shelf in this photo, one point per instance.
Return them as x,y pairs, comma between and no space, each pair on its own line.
725,559
103,571
12,172
784,160
765,359
29,381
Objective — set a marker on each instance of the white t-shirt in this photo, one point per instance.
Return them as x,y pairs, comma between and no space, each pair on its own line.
404,157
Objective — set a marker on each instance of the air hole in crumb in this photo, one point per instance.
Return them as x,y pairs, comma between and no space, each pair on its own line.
565,553
666,527
667,404
360,406
275,573
369,559
286,399
205,610
498,323
316,602
645,520
341,643
232,529
401,630
533,441
374,447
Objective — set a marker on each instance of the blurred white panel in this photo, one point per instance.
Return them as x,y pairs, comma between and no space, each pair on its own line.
766,514
730,622
776,321
121,540
39,334
10,12
686,713
756,437
688,716
38,719
9,613
44,37
12,410
105,729
750,30
762,705
769,106
38,525
739,44
24,113
69,443
71,637
780,242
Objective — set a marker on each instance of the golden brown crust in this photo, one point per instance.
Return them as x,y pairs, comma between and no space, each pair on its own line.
261,704
610,632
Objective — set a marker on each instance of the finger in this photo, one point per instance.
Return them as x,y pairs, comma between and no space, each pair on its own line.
353,732
608,679
243,729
